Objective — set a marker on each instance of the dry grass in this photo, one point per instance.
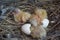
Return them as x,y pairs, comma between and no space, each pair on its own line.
53,9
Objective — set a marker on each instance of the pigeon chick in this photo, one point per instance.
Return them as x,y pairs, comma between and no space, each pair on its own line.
21,16
38,17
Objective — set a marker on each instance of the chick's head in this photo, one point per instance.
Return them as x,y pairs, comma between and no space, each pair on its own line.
41,13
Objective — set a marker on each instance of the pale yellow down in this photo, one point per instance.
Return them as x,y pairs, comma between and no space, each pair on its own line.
22,16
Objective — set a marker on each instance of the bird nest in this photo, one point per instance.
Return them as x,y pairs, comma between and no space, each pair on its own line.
8,26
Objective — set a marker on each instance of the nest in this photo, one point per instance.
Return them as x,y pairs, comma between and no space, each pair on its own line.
52,7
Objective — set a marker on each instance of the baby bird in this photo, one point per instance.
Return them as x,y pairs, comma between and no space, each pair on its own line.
21,16
38,17
39,23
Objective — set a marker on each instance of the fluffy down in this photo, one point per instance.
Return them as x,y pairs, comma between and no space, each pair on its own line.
21,16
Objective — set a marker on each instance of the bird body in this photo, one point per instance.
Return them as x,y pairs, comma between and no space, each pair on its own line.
38,32
21,16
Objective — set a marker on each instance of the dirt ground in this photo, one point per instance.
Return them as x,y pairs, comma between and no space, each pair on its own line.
53,10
